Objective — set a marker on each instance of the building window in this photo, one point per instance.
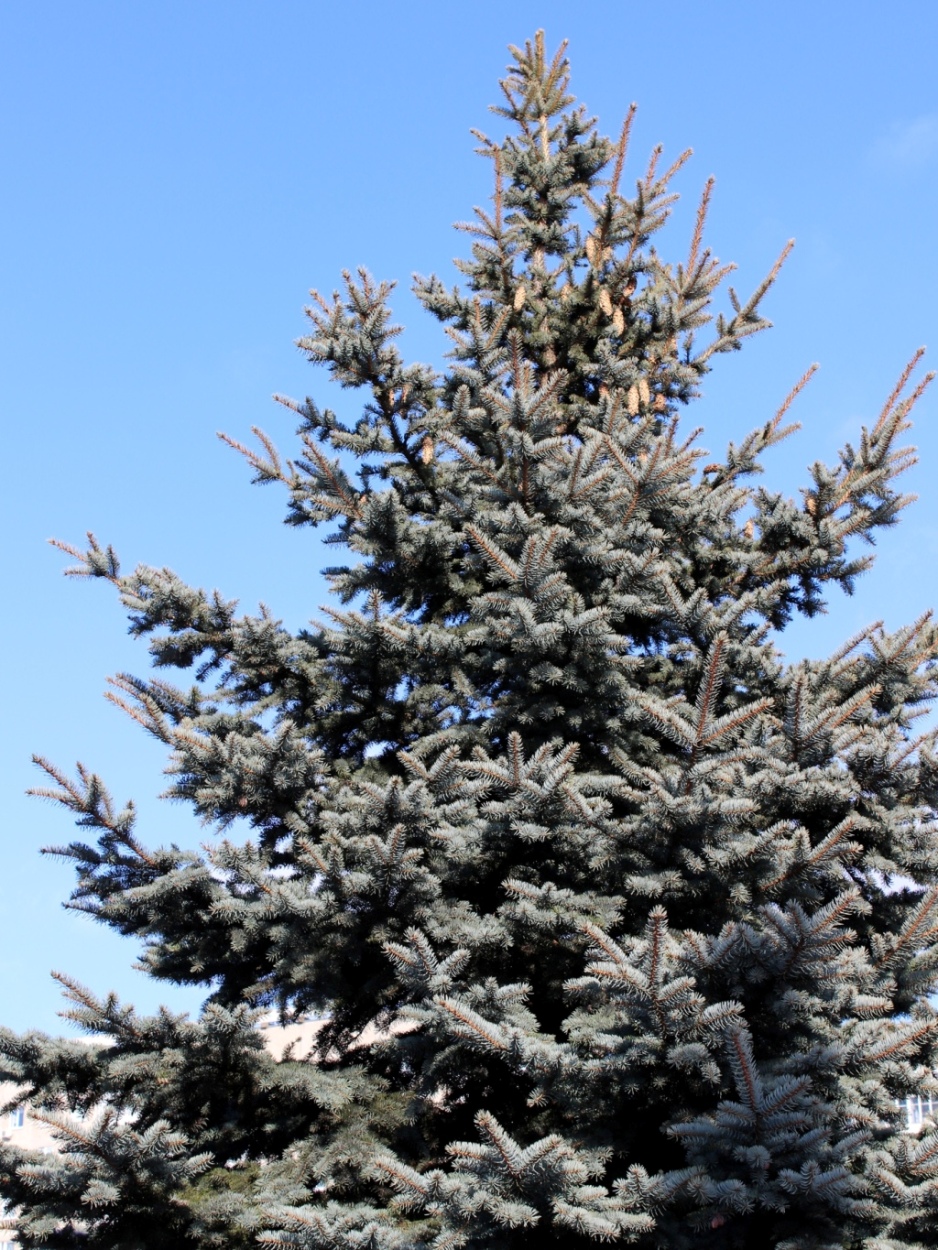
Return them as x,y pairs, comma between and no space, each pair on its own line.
17,1117
917,1111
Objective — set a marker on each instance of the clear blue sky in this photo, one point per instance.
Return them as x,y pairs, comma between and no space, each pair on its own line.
177,175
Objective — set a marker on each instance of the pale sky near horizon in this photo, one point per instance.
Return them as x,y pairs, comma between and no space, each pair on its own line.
178,175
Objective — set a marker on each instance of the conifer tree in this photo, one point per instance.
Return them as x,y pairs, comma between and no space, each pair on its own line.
624,926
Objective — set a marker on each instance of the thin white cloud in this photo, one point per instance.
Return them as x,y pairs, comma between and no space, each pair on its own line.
908,144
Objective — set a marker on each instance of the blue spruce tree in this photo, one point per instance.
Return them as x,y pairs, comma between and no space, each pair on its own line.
625,927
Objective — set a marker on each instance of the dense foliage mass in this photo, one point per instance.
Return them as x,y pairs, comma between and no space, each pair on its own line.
624,927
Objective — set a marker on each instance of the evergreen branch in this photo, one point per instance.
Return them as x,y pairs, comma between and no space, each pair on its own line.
670,722
63,1125
676,165
924,1154
846,649
269,470
624,463
89,798
653,159
735,720
915,744
743,460
605,943
507,1149
449,1239
821,853
740,1042
837,717
146,712
790,399
657,932
710,686
344,502
495,554
621,149
100,1016
697,237
473,1022
401,1176
472,459
498,192
95,562
745,320
889,405
905,1040
912,929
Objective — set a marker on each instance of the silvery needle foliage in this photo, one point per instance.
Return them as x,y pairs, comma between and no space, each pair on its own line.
624,928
